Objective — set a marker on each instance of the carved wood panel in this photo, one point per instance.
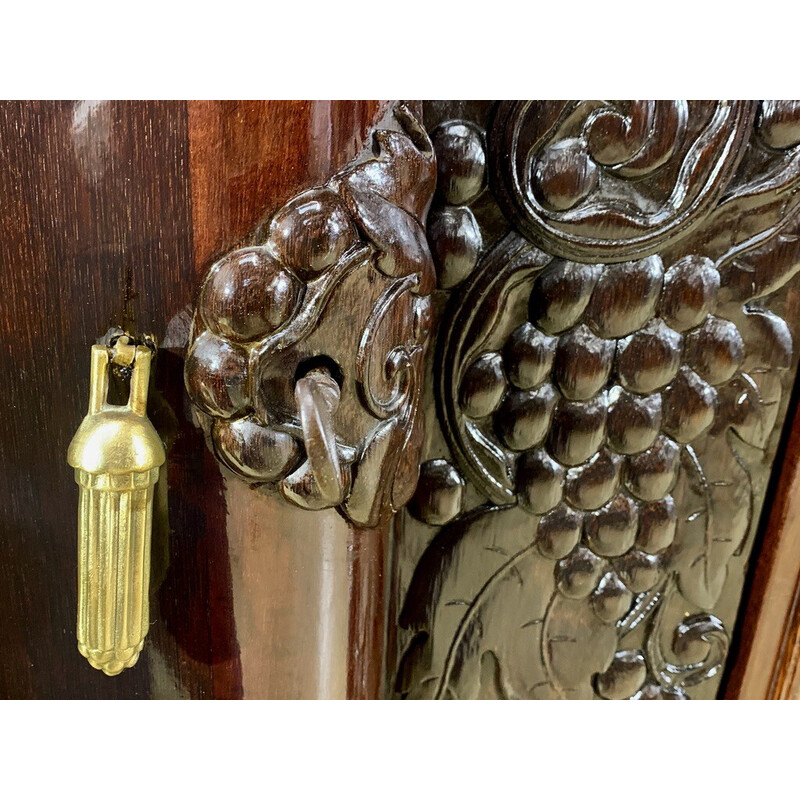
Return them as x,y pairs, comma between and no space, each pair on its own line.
615,322
610,288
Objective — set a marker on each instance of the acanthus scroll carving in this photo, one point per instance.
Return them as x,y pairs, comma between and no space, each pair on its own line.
611,370
306,349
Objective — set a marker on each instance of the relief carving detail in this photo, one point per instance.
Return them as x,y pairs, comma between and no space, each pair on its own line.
609,378
585,454
306,347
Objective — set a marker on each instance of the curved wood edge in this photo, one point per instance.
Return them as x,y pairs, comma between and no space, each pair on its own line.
248,157
766,665
242,171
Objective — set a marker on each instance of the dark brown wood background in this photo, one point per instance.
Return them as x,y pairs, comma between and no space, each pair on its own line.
110,213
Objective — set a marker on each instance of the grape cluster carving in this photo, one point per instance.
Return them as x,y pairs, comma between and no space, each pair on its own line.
337,284
616,367
609,379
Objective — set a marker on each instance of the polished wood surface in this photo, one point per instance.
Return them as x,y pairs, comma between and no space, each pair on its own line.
304,364
766,662
96,230
616,350
110,214
247,158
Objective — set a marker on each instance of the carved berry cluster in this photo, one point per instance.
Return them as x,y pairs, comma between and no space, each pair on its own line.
615,368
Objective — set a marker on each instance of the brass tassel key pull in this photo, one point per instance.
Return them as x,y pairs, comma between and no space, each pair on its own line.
116,454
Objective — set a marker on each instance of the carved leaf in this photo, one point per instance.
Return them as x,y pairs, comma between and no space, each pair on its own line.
498,632
576,646
756,270
751,213
496,468
714,490
396,234
751,401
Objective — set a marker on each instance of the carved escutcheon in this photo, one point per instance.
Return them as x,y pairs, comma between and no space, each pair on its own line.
306,350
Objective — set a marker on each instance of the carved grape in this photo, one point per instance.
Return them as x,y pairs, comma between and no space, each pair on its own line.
524,417
564,175
650,358
540,481
255,450
216,375
456,243
639,571
248,295
578,574
652,474
657,525
578,430
529,355
461,162
439,493
611,531
561,294
594,483
483,386
624,677
583,363
689,405
312,232
559,532
611,599
715,350
689,293
633,420
625,297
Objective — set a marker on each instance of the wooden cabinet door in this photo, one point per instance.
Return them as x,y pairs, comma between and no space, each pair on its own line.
460,399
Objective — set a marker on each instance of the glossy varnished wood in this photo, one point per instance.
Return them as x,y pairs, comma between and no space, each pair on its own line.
621,340
615,359
110,214
765,663
248,157
96,231
304,363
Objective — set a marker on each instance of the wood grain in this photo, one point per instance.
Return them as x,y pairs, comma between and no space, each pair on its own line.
610,385
248,157
94,207
110,212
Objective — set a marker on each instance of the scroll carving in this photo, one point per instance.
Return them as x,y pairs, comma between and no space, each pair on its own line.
307,345
611,374
613,181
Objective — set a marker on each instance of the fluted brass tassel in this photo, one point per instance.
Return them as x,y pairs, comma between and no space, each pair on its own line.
116,454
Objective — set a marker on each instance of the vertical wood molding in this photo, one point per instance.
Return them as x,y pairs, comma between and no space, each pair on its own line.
339,277
248,157
766,663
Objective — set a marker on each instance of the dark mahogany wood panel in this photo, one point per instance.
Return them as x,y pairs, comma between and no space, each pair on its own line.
95,232
304,368
248,157
110,212
614,365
